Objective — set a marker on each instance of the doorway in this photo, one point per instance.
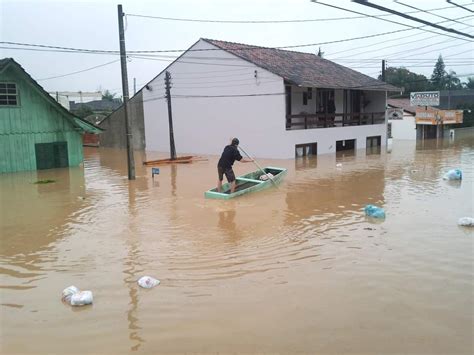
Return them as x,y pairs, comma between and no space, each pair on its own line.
51,155
375,141
348,144
303,150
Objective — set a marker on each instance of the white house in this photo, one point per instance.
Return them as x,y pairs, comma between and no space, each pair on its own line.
277,102
403,127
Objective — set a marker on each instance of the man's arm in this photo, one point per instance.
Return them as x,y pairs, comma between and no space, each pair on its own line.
246,160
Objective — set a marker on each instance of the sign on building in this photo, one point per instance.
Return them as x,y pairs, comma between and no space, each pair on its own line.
431,116
395,113
425,98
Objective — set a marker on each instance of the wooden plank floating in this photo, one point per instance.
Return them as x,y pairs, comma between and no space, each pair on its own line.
179,160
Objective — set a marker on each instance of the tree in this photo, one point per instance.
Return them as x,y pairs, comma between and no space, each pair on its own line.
404,78
438,78
320,53
107,95
451,81
469,84
83,111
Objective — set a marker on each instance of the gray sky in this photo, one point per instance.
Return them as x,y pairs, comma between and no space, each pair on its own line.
93,25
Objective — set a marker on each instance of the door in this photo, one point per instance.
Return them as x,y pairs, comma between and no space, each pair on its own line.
51,155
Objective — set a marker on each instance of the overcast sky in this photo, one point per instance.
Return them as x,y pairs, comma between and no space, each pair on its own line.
93,25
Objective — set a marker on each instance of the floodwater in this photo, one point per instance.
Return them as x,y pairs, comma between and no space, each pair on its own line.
297,268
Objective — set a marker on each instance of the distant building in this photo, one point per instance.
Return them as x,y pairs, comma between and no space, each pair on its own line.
404,126
36,132
452,99
97,106
411,126
279,103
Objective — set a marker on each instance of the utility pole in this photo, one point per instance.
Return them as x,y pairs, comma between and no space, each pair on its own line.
170,115
383,69
134,86
128,128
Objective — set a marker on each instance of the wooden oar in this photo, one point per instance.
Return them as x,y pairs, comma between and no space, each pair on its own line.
258,166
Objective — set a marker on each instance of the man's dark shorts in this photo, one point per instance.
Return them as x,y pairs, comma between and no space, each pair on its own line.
229,174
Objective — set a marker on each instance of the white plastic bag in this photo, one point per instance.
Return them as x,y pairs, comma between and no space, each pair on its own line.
68,292
466,221
148,282
81,298
265,177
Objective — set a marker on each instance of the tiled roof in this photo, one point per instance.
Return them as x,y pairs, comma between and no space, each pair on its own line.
303,69
402,103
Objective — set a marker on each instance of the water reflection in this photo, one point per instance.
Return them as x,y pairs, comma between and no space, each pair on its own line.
132,268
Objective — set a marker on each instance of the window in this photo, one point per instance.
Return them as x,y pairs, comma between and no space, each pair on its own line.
389,130
305,98
8,94
302,150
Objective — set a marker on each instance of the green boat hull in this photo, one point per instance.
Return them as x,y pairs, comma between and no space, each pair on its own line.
248,183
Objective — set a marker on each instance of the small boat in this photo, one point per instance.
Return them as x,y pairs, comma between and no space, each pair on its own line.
248,183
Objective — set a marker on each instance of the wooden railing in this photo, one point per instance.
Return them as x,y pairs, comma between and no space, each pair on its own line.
325,120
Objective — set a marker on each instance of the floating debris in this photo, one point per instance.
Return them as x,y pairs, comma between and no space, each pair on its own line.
453,174
466,221
148,282
374,211
74,297
45,181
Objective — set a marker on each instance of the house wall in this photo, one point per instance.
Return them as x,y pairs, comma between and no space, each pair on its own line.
35,120
114,126
205,125
405,128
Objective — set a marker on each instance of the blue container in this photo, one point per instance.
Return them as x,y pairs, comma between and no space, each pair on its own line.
374,211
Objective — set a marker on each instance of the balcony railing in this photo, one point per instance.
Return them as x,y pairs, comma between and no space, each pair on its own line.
325,120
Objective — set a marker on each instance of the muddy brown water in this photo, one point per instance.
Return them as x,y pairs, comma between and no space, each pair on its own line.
297,268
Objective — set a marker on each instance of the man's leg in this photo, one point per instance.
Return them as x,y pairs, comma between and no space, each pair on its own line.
229,174
220,174
232,187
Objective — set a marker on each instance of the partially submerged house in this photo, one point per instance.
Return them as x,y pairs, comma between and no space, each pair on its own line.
279,103
420,122
36,132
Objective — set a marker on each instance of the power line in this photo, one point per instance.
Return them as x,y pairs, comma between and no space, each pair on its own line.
401,14
393,45
428,12
79,71
270,21
386,20
461,6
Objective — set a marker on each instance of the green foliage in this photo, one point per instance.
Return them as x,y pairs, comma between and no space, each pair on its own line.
404,78
439,73
469,84
83,111
107,95
468,117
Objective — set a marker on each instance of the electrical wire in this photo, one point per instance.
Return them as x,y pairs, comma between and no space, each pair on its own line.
386,20
427,11
272,21
79,71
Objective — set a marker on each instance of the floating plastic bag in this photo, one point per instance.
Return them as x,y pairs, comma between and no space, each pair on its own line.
466,222
453,174
374,211
148,282
265,177
81,298
68,292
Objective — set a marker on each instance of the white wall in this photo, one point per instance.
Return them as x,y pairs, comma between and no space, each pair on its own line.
405,128
205,125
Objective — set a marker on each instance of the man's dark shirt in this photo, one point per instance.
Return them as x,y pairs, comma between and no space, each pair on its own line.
229,155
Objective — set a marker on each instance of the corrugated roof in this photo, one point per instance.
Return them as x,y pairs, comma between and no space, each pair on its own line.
76,121
304,69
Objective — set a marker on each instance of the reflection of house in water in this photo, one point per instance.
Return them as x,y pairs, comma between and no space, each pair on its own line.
328,193
35,215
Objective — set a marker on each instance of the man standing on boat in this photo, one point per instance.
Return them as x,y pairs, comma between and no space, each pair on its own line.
224,166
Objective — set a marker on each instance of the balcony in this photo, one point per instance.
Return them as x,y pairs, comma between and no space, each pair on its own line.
326,120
